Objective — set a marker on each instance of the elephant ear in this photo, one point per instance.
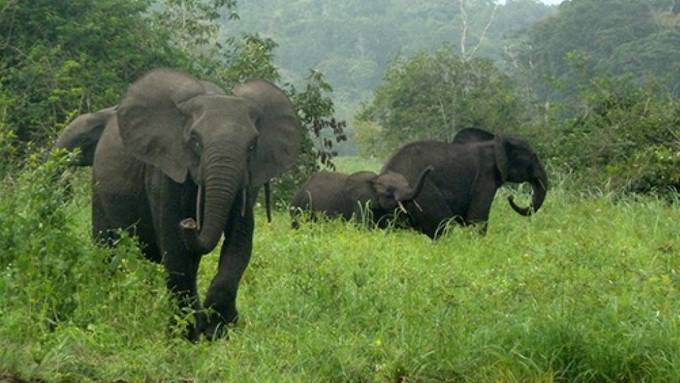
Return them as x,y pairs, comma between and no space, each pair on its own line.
473,135
501,156
152,125
280,132
84,133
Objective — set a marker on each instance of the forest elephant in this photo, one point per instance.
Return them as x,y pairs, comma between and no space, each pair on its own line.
181,163
467,172
350,196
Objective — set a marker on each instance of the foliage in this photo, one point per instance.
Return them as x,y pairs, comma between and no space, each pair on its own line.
316,111
247,58
544,299
193,23
434,95
614,36
52,277
368,136
60,59
354,41
626,137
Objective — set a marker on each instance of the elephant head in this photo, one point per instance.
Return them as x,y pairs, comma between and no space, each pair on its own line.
392,189
84,133
516,161
226,144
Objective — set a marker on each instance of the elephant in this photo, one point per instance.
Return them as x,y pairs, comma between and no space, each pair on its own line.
467,173
341,195
83,133
181,162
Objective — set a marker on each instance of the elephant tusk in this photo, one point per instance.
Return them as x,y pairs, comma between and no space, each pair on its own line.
401,207
198,207
542,184
418,205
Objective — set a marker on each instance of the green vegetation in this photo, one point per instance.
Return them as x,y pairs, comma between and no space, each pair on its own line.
625,137
638,38
54,68
434,96
585,291
354,41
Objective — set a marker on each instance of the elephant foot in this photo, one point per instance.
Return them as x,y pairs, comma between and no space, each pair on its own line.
216,325
189,330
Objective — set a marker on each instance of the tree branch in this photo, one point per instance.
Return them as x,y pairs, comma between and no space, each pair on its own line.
483,35
463,35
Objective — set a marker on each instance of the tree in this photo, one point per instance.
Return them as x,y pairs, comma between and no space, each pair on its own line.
465,8
354,41
434,95
192,23
610,36
60,59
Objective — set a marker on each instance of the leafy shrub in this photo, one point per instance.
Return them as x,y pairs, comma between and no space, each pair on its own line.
50,272
626,137
316,111
368,137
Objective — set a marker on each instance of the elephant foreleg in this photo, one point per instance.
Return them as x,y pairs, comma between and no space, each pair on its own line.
220,300
181,266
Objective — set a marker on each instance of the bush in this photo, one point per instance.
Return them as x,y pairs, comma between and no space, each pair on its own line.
368,137
626,137
50,272
316,112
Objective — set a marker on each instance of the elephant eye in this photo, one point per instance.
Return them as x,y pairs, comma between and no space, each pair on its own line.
251,147
195,145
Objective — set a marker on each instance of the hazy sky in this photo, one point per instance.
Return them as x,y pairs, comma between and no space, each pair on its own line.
552,2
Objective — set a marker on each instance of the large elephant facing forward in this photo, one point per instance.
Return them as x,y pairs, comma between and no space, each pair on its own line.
349,195
467,172
181,162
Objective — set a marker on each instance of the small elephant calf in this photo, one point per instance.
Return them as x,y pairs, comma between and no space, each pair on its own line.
349,196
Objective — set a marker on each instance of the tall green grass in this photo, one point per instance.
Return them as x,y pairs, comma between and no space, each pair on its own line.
586,290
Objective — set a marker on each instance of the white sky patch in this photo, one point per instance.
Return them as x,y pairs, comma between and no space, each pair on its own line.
549,2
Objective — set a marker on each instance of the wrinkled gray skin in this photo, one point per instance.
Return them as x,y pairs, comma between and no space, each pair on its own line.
171,138
341,195
467,172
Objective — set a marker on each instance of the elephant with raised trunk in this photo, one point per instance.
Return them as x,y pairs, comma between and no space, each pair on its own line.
467,172
348,196
181,163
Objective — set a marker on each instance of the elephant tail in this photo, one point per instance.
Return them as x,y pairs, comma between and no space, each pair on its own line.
268,200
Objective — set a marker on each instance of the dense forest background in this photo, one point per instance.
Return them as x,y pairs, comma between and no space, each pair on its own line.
594,84
353,42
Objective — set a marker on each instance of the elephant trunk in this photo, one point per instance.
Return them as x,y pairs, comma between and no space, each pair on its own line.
222,181
419,184
539,187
